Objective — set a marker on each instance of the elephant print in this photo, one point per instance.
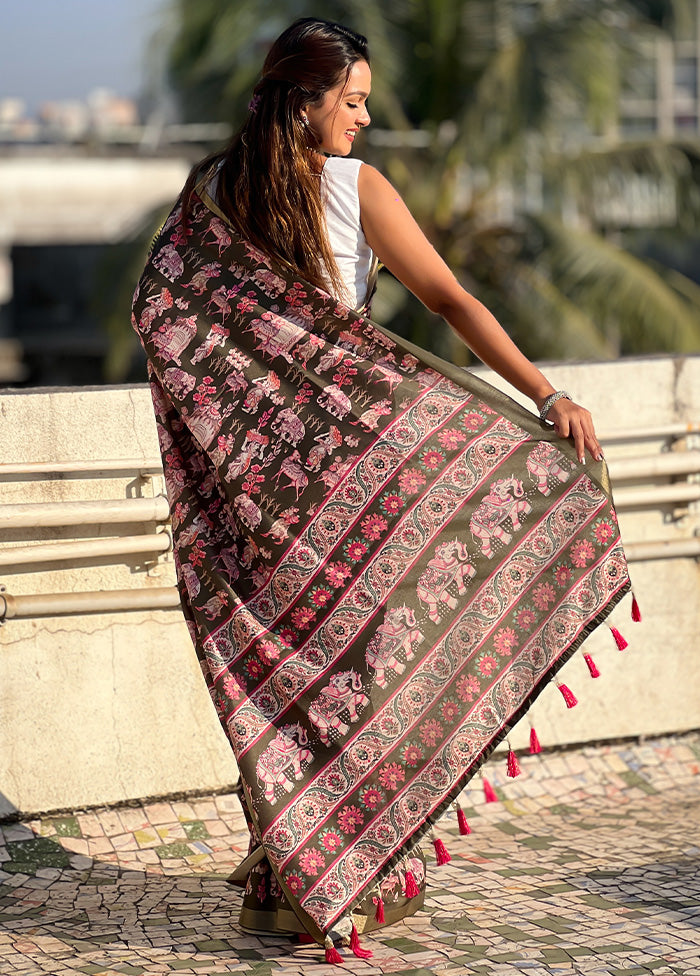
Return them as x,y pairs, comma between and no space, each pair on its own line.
283,757
342,694
449,565
544,462
504,502
396,635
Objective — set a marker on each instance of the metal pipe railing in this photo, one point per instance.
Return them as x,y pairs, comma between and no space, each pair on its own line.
684,493
98,601
51,552
152,465
649,433
46,514
656,465
666,549
167,597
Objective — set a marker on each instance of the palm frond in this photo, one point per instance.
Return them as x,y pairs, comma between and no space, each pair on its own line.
626,295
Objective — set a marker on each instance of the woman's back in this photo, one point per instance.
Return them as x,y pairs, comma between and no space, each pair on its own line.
352,253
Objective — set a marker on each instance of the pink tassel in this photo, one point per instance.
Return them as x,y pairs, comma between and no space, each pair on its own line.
619,639
412,889
535,746
442,855
464,827
489,792
595,673
357,948
636,612
513,766
569,697
379,914
333,957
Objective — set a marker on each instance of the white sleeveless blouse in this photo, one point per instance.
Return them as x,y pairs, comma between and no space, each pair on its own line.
352,253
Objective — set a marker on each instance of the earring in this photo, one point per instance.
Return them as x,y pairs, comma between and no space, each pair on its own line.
304,119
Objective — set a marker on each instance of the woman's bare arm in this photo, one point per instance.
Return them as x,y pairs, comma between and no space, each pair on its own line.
400,244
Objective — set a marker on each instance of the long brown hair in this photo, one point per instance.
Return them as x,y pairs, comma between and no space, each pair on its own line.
268,185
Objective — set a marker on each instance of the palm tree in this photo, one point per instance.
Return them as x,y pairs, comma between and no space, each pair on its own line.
515,102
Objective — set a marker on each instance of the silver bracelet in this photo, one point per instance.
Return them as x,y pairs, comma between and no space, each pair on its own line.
551,400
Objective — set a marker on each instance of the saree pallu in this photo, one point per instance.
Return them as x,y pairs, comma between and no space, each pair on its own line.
382,560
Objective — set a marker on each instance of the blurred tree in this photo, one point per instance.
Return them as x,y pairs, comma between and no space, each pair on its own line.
516,174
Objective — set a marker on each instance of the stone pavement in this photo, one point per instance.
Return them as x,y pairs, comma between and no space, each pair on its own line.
589,865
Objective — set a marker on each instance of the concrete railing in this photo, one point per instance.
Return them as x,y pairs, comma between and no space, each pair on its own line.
646,470
108,705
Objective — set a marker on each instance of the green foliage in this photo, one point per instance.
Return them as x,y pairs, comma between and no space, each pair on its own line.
520,179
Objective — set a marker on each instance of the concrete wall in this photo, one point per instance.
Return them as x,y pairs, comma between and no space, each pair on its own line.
102,708
96,708
77,200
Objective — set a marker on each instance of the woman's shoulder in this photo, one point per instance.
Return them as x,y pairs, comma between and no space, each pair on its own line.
343,169
374,188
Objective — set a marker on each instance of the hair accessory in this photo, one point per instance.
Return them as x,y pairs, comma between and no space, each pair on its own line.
551,400
253,104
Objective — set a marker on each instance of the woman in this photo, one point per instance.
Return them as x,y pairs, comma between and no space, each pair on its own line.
382,560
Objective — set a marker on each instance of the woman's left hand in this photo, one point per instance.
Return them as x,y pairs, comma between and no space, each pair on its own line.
571,420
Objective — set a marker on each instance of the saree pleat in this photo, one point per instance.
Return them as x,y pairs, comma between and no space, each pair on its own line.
382,559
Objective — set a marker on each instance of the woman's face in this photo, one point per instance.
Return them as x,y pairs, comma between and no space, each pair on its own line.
342,112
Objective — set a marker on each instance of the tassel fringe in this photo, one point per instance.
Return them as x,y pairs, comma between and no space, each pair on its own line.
619,639
442,855
489,792
333,957
379,914
569,697
535,746
464,827
595,673
357,948
513,766
412,889
636,612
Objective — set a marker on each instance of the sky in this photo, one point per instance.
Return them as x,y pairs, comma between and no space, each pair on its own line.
61,49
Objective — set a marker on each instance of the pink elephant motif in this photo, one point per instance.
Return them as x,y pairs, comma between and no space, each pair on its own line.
247,511
289,426
504,502
396,635
283,757
169,262
448,566
544,462
337,403
270,282
342,694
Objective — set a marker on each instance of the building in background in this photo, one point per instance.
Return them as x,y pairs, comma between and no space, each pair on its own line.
78,179
662,91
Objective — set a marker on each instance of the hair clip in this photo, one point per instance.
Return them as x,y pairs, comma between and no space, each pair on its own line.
253,104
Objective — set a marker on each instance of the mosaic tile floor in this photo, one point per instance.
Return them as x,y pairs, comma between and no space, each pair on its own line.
589,865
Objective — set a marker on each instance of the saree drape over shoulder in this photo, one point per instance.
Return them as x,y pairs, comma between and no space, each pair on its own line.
382,559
